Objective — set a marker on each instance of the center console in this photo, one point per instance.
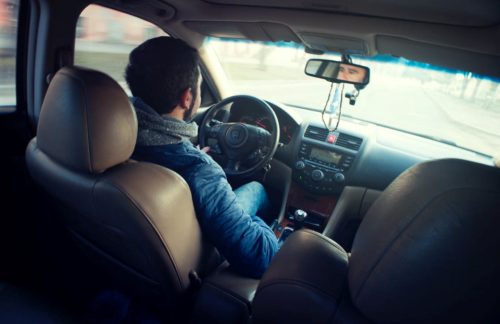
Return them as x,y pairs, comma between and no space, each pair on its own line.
318,208
323,162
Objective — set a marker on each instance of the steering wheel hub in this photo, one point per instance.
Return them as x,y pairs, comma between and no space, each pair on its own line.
236,135
241,149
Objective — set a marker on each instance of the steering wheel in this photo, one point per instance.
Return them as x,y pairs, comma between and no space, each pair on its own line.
245,149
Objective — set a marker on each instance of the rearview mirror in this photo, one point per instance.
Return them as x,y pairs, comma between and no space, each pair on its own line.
334,71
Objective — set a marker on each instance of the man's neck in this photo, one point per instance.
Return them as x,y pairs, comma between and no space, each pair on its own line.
177,113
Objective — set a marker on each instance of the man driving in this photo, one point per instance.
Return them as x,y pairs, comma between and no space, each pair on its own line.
164,77
351,73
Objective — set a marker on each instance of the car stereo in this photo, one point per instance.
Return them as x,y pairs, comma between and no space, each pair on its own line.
321,170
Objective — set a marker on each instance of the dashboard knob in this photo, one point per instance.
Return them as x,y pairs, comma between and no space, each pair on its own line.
300,165
317,175
339,177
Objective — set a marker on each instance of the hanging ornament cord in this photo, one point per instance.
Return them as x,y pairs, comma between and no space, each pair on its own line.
335,105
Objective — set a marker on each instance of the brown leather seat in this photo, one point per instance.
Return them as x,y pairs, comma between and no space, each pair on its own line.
428,251
135,220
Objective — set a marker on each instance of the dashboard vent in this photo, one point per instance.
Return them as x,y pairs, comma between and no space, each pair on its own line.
218,118
348,141
317,133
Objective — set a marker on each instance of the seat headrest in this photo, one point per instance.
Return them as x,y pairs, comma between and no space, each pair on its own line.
87,121
428,249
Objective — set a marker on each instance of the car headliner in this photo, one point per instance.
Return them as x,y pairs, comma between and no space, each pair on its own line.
462,36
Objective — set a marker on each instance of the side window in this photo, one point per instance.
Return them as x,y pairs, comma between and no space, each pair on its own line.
105,38
8,44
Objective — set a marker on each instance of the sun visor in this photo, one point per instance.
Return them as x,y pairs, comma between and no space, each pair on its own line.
336,44
255,31
452,58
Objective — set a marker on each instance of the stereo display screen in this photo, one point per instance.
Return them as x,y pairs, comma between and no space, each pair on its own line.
325,156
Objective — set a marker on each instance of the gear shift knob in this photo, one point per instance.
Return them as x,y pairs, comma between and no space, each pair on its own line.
299,219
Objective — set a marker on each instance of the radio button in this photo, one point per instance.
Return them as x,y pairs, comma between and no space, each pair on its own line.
300,165
317,175
339,177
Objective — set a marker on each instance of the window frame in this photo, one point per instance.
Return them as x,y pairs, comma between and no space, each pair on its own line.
22,15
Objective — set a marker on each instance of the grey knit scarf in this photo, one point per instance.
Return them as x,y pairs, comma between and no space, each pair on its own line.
156,130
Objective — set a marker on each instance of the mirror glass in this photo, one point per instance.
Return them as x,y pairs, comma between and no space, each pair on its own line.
334,71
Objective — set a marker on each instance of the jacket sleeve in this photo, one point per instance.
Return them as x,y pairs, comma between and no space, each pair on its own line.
245,241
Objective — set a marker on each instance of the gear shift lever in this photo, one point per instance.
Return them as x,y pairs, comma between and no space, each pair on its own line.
299,219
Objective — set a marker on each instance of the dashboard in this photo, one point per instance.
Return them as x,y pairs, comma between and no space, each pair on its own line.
356,154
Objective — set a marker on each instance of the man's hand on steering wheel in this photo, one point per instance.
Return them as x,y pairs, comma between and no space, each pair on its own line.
241,144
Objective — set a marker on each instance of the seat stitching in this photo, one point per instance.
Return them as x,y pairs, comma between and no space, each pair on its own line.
333,243
153,226
168,171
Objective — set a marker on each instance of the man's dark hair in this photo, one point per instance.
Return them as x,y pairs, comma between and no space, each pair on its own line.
160,69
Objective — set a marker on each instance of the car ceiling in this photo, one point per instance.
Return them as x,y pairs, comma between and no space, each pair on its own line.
469,44
460,34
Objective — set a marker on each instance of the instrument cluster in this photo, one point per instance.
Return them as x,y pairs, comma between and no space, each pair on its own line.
260,118
263,121
259,121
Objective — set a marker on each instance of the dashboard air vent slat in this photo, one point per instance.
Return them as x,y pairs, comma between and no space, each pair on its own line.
218,118
348,141
317,133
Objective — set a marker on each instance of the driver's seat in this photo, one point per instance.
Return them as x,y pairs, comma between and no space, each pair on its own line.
135,220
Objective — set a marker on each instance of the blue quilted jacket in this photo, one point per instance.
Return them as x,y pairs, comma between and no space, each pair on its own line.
244,240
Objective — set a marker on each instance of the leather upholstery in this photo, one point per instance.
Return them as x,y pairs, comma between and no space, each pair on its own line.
21,305
304,282
135,220
87,122
427,251
225,297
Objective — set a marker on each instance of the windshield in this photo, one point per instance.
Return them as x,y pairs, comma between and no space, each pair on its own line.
456,107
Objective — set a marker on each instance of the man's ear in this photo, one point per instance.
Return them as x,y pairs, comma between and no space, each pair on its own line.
186,98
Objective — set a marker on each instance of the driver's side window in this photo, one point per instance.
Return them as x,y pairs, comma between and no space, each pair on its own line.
105,38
